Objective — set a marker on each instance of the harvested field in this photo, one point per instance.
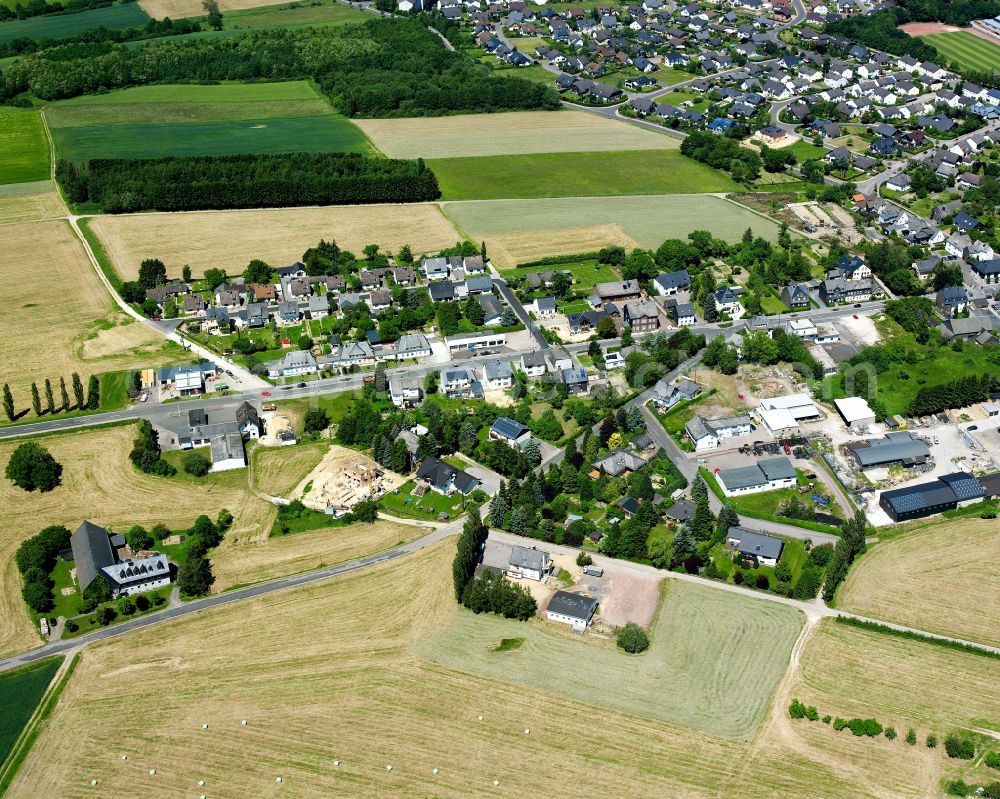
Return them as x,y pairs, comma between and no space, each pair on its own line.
343,477
508,134
231,239
79,328
178,9
941,578
519,230
277,470
296,15
99,483
252,557
331,676
702,640
22,202
919,684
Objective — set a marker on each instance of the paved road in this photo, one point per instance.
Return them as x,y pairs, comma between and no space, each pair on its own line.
522,314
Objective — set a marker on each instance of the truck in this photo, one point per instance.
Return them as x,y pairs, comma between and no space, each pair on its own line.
593,571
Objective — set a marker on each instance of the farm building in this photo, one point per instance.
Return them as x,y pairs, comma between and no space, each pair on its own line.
575,610
94,556
765,475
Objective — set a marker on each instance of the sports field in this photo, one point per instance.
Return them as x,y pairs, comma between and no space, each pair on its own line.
59,318
332,692
704,641
941,578
55,26
576,175
231,239
967,50
20,202
22,142
154,121
516,231
508,134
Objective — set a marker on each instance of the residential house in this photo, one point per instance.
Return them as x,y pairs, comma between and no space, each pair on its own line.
445,478
642,316
533,363
545,307
511,432
498,375
727,302
617,292
412,346
459,382
528,564
795,296
766,475
680,389
293,364
761,549
575,610
576,380
951,300
405,392
707,434
838,291
619,463
672,282
94,557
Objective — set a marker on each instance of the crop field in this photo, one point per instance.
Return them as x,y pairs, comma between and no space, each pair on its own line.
21,202
59,318
54,26
966,49
940,577
516,231
178,9
226,119
22,142
332,677
231,239
99,483
295,15
514,133
20,692
704,640
576,175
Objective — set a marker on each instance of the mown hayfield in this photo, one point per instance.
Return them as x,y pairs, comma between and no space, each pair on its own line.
59,318
56,26
522,230
943,577
251,556
326,673
231,239
704,642
21,202
99,483
576,175
918,684
295,15
969,51
509,134
24,147
189,103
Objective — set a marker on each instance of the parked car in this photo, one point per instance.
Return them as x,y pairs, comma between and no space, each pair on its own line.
788,449
972,427
300,385
937,440
857,305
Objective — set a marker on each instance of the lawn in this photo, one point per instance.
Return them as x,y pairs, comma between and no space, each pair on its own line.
402,503
316,134
24,147
20,692
793,554
933,578
55,26
576,175
514,133
806,151
702,640
967,50
534,72
586,274
680,96
330,674
517,231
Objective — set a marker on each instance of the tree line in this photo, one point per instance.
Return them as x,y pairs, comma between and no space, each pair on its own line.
958,393
82,401
722,152
880,31
379,68
123,185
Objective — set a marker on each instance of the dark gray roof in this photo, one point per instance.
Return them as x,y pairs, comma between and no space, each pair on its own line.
524,558
508,428
681,510
895,447
441,475
92,551
575,606
757,544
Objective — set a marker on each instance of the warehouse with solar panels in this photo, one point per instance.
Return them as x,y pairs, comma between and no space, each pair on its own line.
948,492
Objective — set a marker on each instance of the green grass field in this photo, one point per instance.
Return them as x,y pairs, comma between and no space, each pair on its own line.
806,151
586,274
646,220
154,121
20,692
576,175
294,15
714,661
25,150
966,50
54,26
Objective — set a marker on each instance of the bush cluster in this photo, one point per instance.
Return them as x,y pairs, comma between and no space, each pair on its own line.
633,639
35,559
146,453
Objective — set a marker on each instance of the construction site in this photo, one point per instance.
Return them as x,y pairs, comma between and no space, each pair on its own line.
343,478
